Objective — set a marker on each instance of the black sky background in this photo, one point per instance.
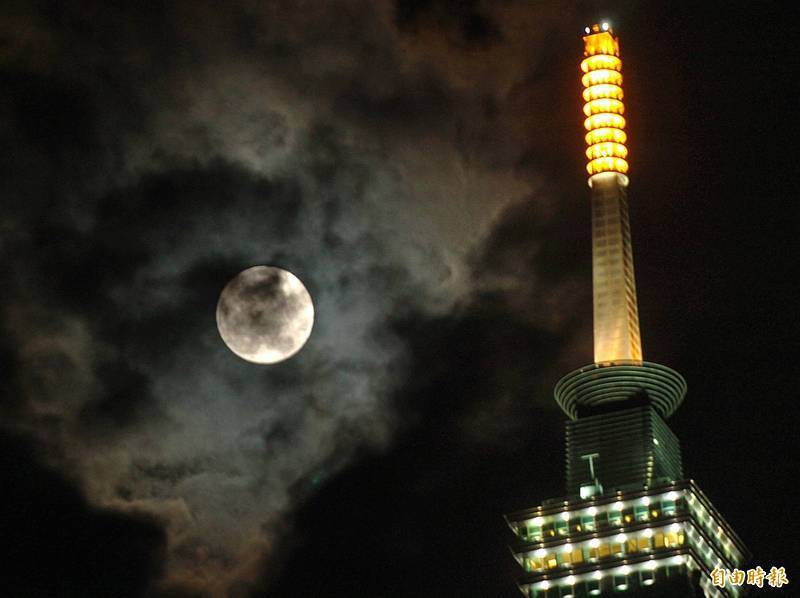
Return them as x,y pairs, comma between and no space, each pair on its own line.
417,509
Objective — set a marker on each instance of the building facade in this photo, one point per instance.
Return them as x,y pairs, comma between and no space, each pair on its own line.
630,522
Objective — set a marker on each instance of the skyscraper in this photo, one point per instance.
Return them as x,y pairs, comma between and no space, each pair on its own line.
629,522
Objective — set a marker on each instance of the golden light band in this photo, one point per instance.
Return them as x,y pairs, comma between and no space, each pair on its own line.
601,61
597,121
603,90
608,149
602,76
603,106
605,134
599,165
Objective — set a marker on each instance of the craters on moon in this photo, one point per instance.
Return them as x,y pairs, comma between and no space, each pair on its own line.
265,314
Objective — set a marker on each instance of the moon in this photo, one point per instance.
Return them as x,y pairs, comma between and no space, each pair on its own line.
265,314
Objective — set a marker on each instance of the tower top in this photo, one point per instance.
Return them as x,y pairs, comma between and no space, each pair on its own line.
605,124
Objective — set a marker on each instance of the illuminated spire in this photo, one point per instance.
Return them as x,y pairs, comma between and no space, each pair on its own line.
616,313
603,108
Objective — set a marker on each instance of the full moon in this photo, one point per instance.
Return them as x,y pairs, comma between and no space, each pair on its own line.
265,314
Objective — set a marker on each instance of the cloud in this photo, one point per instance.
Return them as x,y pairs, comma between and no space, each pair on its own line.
370,148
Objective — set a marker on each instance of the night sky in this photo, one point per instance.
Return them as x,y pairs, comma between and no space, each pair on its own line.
419,165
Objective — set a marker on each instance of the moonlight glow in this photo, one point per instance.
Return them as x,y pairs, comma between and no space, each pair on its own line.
265,314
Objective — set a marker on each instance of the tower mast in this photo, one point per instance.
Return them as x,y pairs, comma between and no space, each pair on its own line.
616,312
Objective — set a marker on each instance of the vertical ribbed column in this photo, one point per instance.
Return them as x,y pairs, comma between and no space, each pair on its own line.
616,312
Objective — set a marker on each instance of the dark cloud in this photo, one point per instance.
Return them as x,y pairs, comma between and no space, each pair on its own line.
366,147
127,400
61,545
468,19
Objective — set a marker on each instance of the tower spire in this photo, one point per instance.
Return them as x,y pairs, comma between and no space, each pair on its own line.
616,312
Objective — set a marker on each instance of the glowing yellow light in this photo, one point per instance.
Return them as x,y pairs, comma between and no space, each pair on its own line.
605,134
601,61
602,76
608,149
602,90
599,165
599,121
603,107
601,43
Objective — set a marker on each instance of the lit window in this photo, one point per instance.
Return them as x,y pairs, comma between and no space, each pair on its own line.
644,543
647,577
620,583
534,533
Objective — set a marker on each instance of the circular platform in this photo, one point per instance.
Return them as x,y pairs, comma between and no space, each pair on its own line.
599,384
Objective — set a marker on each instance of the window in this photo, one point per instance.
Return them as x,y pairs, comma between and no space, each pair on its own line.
644,544
673,538
594,587
535,564
647,577
577,556
588,523
562,527
669,507
640,513
620,583
614,518
631,545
